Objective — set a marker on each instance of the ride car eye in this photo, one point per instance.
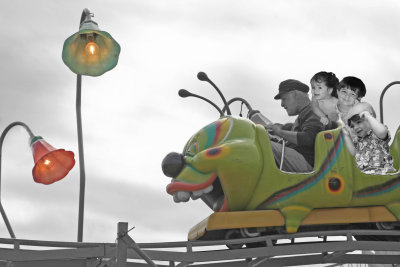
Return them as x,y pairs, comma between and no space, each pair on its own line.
192,149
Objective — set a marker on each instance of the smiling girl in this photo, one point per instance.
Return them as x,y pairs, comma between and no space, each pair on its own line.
324,97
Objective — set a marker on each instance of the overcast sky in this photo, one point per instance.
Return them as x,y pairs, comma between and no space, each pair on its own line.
132,115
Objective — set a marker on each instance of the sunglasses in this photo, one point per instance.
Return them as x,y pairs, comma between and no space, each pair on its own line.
354,118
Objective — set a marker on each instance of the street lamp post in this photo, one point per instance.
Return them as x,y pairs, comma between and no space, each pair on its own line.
51,164
88,52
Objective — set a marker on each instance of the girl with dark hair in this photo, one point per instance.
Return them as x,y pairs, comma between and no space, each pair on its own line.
324,96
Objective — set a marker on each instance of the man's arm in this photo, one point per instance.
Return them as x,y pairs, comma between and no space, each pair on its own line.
276,129
288,136
305,137
309,130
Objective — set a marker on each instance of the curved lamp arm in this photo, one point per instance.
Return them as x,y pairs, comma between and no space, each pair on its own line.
3,135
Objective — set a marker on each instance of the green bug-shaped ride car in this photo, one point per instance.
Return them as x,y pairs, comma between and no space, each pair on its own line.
229,165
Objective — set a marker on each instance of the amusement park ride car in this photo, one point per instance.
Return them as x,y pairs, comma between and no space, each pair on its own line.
230,166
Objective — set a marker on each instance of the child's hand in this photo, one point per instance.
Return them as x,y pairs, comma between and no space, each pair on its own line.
356,101
346,130
365,114
324,121
348,140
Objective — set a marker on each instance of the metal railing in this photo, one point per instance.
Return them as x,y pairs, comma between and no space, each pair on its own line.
329,247
381,98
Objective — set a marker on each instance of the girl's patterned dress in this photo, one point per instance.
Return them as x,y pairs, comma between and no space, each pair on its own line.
372,154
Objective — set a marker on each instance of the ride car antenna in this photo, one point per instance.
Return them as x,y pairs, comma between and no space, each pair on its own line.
203,77
185,93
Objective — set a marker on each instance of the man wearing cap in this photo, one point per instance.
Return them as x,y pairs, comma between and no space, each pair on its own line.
299,136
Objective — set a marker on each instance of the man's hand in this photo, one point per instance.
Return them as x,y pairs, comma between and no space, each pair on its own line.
274,129
252,113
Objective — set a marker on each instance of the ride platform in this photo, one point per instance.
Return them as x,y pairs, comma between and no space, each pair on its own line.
208,228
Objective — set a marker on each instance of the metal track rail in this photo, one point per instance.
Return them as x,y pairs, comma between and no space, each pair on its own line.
324,247
330,247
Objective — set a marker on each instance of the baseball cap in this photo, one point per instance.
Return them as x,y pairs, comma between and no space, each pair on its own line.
291,85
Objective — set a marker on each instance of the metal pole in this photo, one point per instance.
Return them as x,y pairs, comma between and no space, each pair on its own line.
82,180
3,135
122,247
81,157
381,98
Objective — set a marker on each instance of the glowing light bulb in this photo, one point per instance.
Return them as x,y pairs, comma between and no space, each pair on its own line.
91,48
47,162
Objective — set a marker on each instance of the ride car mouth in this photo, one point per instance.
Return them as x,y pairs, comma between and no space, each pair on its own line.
210,192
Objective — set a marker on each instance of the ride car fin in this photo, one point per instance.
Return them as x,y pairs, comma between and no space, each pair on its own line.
294,215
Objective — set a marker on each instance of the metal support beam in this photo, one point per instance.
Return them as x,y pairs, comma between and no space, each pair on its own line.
122,248
123,237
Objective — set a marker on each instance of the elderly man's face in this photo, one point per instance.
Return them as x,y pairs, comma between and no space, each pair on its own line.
288,102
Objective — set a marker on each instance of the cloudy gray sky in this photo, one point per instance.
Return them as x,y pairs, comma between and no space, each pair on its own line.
132,115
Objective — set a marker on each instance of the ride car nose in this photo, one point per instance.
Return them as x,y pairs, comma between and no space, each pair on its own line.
173,164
